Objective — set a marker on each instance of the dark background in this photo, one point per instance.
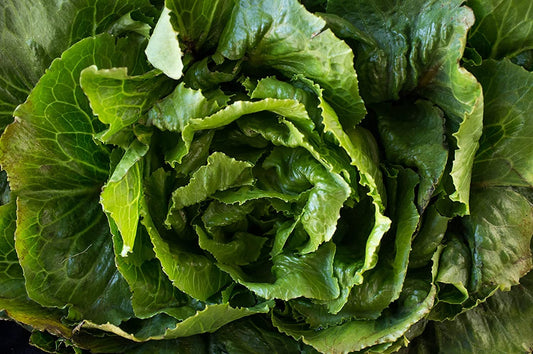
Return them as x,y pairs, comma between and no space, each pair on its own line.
14,339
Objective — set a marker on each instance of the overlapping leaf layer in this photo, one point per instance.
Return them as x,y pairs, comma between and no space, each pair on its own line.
233,176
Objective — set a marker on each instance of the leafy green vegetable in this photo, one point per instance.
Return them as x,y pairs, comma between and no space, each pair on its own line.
234,176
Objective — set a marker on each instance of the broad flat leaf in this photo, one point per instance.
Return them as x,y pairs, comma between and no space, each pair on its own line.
413,135
62,232
163,50
199,22
62,156
252,335
406,43
31,36
421,54
13,297
120,100
81,340
499,232
309,275
503,28
354,335
500,325
285,37
67,249
11,277
505,156
209,319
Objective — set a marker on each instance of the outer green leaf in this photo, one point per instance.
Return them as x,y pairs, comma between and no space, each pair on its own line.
503,28
499,232
210,319
309,275
356,335
31,36
284,36
67,249
62,156
422,53
13,297
119,99
459,95
251,335
61,232
500,325
11,277
505,156
407,40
